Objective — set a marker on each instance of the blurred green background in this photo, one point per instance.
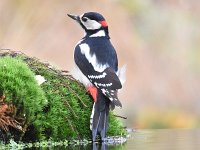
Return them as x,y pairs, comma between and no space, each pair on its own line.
158,40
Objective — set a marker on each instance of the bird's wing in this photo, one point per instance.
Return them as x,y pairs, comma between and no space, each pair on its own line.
101,75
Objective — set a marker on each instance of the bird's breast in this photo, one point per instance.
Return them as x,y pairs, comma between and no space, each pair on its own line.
78,75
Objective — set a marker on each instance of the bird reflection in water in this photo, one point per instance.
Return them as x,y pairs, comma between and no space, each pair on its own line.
99,146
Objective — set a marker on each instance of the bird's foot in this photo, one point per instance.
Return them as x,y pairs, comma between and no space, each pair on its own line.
93,92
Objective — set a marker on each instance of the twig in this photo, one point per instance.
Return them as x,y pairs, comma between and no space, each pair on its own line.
71,90
120,116
65,71
72,127
66,103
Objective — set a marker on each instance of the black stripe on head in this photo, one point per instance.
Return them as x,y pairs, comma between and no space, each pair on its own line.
94,16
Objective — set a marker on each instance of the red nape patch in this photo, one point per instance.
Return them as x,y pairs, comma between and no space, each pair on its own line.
93,92
103,23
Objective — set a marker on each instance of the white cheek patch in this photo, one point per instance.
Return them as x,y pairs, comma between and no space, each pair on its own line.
85,50
91,24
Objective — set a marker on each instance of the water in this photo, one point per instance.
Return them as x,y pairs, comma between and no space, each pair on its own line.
165,139
159,139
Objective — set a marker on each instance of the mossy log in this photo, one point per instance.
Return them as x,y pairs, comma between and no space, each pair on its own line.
58,109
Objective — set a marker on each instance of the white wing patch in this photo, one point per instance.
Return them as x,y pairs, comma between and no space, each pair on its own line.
102,84
85,50
104,91
97,76
112,95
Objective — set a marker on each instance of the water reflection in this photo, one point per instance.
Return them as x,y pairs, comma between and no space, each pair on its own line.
104,146
94,146
167,139
101,146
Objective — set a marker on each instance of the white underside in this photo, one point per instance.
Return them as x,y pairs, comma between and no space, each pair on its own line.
121,73
91,117
78,75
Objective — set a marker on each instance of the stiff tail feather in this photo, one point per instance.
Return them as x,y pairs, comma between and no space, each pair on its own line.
99,117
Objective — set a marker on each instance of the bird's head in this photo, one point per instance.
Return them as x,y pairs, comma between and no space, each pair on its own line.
91,22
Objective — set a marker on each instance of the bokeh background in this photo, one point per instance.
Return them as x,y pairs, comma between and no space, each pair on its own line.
158,40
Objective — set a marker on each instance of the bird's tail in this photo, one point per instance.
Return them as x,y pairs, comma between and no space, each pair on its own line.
99,117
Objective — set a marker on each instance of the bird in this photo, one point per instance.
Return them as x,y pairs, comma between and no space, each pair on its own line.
96,65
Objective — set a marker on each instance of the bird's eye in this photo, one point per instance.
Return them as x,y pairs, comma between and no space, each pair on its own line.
84,19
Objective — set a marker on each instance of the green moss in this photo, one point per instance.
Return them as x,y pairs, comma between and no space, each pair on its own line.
20,88
115,126
67,113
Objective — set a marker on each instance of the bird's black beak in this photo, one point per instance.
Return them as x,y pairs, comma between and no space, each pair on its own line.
75,17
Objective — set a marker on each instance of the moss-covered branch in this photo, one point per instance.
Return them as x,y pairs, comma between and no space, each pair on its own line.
58,109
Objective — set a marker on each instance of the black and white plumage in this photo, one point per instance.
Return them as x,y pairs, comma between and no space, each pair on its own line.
97,62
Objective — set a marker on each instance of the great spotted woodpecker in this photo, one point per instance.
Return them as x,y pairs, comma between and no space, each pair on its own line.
97,68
